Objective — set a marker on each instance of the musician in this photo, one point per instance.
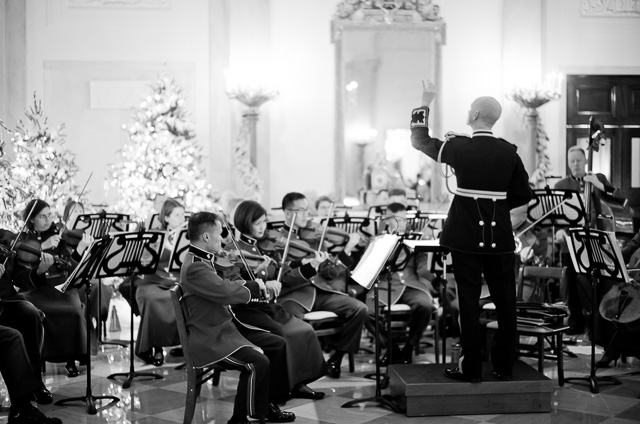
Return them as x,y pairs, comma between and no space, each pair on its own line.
491,181
410,285
305,362
258,355
398,195
20,315
578,286
323,204
158,326
65,328
323,286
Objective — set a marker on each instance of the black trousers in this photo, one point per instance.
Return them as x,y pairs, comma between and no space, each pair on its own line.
253,387
498,272
27,319
14,364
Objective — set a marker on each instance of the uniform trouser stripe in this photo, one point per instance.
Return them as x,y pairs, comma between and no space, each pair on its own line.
252,393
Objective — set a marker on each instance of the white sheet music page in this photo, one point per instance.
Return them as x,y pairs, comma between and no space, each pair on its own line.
374,259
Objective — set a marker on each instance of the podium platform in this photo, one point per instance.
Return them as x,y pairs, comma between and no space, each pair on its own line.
423,390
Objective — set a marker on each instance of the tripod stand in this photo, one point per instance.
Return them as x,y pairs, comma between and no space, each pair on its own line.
377,256
596,253
81,276
132,254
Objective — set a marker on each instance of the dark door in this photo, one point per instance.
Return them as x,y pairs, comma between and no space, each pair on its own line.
615,101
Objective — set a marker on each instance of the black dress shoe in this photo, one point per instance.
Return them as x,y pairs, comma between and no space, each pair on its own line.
607,358
158,357
276,415
176,351
72,370
303,391
502,377
456,374
147,357
333,369
43,395
243,420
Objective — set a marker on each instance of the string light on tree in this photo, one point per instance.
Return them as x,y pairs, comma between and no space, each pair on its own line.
163,157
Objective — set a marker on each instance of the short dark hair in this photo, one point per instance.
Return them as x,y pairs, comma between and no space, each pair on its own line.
322,199
39,206
246,214
167,207
201,222
397,192
396,207
289,198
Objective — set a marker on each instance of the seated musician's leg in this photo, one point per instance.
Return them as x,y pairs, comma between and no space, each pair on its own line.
421,305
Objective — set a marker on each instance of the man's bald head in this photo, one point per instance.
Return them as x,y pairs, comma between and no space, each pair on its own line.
484,113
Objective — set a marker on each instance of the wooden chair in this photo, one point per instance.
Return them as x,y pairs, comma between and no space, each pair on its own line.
196,376
326,323
548,339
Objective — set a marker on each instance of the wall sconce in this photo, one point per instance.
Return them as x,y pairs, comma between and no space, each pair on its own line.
530,97
251,89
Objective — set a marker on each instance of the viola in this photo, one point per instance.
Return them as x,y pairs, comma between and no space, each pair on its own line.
29,253
232,257
336,237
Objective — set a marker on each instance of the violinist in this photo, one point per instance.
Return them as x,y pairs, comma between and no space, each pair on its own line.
213,330
305,362
323,206
323,285
410,285
158,325
20,315
578,286
64,324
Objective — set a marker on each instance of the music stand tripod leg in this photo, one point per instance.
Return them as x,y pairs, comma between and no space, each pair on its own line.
132,372
378,397
88,398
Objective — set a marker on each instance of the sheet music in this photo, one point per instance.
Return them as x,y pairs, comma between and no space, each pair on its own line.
611,254
374,259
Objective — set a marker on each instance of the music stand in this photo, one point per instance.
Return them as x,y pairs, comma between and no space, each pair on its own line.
596,253
81,276
99,225
377,257
132,254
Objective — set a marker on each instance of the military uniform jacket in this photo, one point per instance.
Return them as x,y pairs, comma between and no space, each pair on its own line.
491,181
330,277
210,323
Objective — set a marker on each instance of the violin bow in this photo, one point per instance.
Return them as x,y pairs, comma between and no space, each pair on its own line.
235,245
15,240
64,224
326,225
286,246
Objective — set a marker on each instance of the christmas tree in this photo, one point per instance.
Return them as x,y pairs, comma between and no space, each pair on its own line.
162,158
43,167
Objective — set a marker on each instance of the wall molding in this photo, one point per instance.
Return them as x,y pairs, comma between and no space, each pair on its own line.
611,8
118,4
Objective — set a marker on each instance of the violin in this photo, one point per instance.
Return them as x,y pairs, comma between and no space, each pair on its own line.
227,259
335,237
273,240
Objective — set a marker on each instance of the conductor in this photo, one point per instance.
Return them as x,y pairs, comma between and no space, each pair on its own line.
491,181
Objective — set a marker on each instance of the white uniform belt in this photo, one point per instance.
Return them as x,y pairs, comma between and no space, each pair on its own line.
481,194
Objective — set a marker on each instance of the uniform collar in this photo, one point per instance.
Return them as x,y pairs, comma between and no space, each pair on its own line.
200,253
482,133
249,240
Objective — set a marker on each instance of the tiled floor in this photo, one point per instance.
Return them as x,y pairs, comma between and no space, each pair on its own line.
162,401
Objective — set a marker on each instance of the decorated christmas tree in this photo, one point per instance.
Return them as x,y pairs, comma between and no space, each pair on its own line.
43,167
162,157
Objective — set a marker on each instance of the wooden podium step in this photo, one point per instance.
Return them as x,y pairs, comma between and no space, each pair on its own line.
423,390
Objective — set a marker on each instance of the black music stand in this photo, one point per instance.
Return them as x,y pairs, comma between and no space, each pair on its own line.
81,276
99,225
377,257
132,254
596,253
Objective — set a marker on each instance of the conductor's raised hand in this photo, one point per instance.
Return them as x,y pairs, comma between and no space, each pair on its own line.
428,92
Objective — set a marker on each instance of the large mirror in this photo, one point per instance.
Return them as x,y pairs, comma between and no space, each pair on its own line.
383,51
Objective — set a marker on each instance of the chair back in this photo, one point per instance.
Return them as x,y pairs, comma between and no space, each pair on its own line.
354,224
539,273
182,314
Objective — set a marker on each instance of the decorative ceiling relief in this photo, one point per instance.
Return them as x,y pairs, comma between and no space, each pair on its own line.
611,8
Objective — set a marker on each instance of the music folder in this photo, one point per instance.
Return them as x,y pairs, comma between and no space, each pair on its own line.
374,259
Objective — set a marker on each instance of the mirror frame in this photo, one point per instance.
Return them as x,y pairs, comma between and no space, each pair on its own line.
375,21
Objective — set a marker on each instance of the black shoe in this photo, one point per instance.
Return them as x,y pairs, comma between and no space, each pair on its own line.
406,356
158,357
176,351
31,415
72,370
333,368
502,377
456,374
276,415
302,391
43,395
607,358
147,357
